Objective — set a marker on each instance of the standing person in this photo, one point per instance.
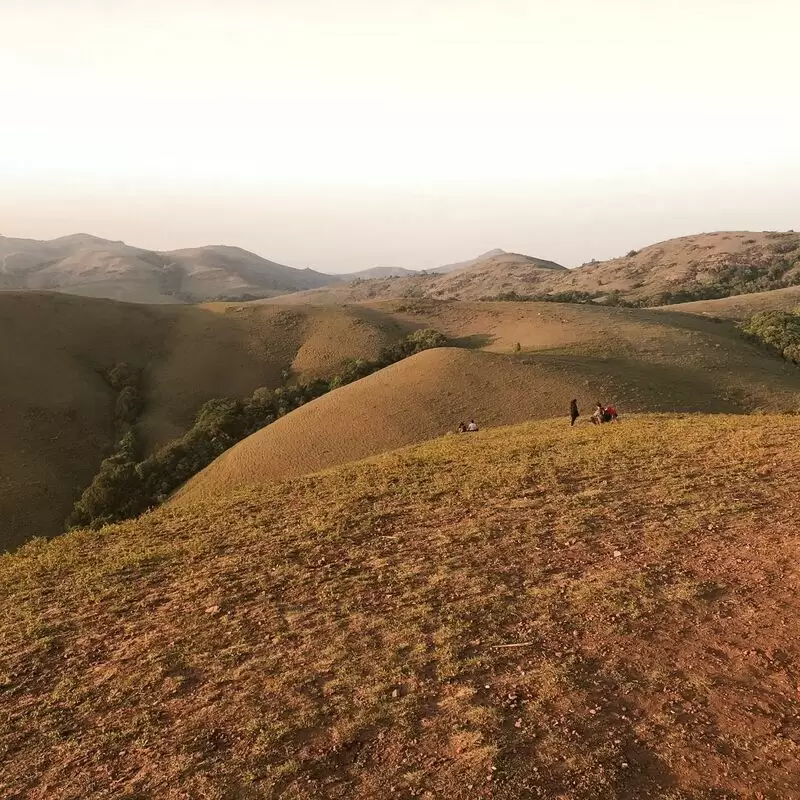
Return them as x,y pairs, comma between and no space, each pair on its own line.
573,412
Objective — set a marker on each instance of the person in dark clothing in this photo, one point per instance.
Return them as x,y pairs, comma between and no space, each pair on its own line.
462,427
573,412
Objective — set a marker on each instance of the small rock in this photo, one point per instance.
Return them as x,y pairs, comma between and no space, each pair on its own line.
212,610
395,693
618,554
518,723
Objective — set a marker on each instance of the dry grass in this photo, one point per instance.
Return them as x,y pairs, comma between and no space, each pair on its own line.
640,360
56,411
344,635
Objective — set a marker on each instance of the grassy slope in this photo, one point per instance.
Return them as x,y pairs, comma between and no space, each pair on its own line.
56,410
346,634
640,360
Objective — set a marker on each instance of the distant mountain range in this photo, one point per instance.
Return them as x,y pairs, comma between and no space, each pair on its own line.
689,268
679,270
93,267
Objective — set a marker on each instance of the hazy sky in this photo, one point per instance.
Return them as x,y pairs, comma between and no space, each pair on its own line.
352,133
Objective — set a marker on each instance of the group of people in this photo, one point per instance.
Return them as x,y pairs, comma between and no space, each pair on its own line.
600,415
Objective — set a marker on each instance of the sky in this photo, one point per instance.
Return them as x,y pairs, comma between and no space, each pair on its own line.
347,134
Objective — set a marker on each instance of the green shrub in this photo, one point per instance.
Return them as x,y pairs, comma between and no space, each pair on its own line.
779,330
124,375
116,491
129,405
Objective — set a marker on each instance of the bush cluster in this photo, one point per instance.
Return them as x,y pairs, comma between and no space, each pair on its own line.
779,330
572,296
125,486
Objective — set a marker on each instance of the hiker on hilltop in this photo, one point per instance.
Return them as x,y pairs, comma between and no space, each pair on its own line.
573,412
462,427
611,414
473,426
599,415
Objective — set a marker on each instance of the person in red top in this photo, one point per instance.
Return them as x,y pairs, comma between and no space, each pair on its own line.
611,412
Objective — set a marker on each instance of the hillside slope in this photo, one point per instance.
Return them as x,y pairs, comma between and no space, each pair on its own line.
694,267
598,613
644,362
56,408
691,267
93,267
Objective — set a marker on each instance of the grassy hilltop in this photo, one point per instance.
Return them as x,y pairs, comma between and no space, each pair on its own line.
524,612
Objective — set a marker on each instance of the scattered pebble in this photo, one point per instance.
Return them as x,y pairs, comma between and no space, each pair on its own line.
212,610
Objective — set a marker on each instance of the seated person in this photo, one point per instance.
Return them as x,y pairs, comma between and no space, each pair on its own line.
473,426
462,428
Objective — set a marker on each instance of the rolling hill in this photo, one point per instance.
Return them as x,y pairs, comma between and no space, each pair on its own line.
688,268
497,273
597,613
93,267
641,360
57,409
696,267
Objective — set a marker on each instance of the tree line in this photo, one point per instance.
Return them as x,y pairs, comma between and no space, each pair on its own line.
127,484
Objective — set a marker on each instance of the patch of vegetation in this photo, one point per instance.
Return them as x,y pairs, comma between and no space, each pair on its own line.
108,489
125,486
572,296
779,330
